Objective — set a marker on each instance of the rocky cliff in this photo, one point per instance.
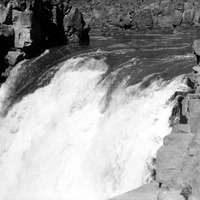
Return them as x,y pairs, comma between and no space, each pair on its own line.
28,26
141,15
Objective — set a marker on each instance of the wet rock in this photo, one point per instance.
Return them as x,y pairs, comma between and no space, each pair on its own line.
197,70
196,49
14,57
169,161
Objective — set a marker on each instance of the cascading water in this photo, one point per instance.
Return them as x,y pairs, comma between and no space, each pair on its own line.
74,139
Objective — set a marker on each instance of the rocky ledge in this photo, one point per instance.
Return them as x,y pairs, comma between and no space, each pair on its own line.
29,26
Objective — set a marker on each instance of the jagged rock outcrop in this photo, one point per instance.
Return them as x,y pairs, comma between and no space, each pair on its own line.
178,161
28,26
74,25
151,15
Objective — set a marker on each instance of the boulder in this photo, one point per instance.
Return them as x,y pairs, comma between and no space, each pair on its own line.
197,70
179,5
145,19
169,161
177,17
188,16
196,18
13,57
173,139
196,49
165,21
116,20
189,175
6,31
196,46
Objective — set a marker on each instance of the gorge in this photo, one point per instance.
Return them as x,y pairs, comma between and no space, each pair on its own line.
82,120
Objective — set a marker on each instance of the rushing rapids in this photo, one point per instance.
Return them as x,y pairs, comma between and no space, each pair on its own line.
90,133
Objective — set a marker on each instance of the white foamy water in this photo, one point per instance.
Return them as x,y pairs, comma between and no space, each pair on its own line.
58,144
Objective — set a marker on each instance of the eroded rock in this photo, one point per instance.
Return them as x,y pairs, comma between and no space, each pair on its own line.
14,57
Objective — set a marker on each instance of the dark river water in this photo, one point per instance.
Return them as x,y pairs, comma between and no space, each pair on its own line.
137,56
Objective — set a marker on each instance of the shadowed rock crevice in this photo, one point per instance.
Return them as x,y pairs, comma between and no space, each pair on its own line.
27,27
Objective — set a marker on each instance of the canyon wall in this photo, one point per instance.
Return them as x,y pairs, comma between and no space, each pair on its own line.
142,15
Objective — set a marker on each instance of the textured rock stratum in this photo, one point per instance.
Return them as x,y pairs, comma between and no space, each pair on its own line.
141,15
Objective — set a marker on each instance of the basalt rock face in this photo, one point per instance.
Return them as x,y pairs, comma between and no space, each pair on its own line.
28,26
178,160
154,15
75,26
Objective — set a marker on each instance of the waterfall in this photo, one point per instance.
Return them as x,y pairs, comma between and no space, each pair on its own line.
67,140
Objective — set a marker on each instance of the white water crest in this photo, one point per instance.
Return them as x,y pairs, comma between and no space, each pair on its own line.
61,143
